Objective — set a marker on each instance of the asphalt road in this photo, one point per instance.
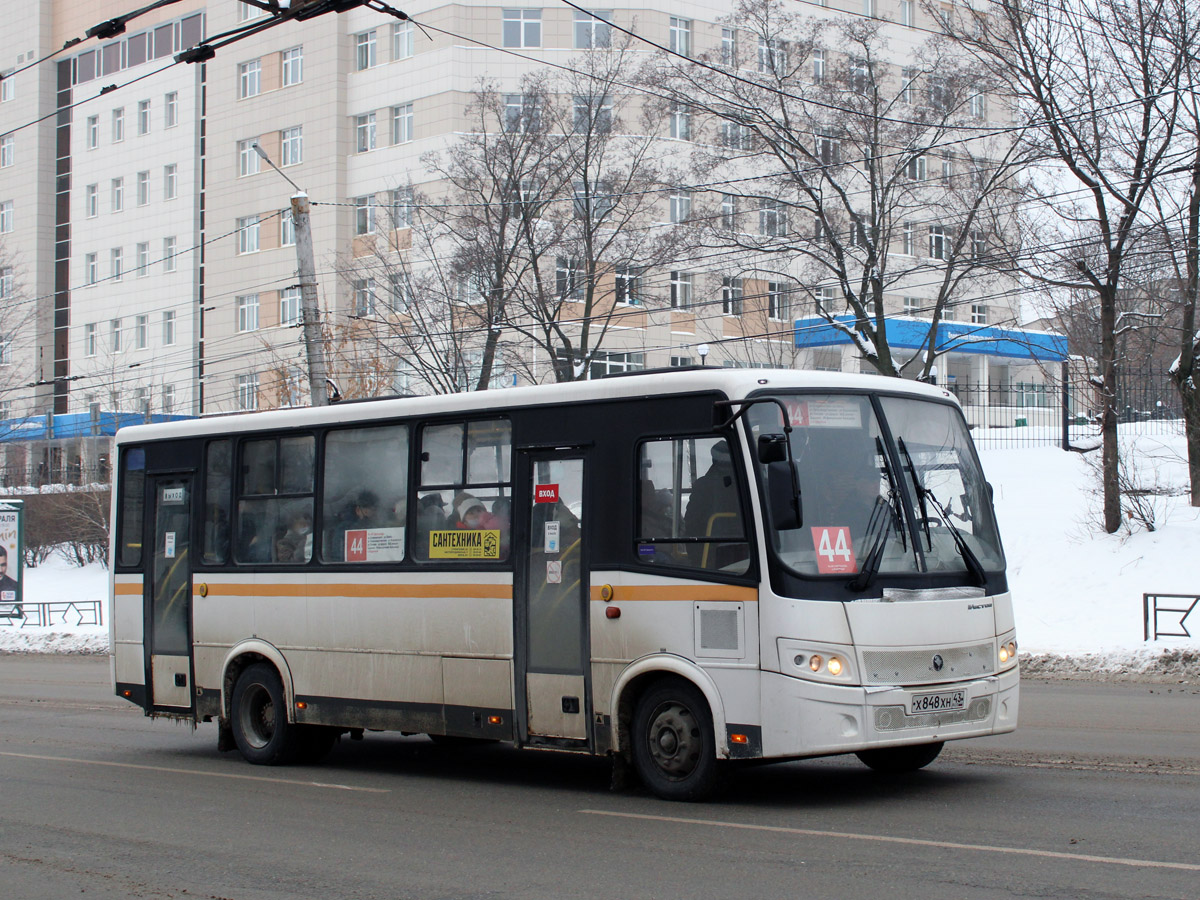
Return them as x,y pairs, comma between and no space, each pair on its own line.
1096,796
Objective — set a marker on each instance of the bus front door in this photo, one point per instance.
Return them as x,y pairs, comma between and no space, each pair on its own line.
169,594
552,602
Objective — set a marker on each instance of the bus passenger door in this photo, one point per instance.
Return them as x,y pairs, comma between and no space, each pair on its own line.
169,594
551,606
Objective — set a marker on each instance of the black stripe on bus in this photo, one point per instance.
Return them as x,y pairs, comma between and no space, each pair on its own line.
416,718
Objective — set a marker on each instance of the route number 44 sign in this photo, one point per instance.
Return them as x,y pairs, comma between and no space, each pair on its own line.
835,553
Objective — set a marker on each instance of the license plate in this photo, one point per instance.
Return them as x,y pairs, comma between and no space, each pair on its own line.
927,703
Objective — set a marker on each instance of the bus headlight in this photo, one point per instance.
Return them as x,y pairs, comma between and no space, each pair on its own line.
816,663
1006,652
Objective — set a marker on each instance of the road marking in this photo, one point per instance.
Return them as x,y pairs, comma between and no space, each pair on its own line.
912,842
120,765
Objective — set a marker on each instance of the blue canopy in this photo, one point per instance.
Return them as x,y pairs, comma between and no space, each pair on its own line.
73,425
953,337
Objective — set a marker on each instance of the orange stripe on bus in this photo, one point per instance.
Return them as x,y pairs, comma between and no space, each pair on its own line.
474,591
676,592
127,588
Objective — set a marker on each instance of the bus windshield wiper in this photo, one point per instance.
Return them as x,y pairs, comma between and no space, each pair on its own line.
923,494
878,528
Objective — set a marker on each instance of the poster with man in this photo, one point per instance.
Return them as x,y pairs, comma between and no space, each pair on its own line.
10,552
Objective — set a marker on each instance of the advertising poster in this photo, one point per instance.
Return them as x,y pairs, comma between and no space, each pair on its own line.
10,552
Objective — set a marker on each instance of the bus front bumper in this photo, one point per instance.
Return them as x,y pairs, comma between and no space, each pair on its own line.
805,718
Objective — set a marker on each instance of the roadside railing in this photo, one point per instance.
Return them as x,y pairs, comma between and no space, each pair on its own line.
54,612
1152,608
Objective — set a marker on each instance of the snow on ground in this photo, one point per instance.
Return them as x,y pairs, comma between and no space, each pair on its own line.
1077,591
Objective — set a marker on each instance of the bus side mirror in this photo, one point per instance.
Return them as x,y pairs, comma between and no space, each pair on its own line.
783,506
772,448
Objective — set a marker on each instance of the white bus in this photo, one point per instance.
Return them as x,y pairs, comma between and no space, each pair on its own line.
673,568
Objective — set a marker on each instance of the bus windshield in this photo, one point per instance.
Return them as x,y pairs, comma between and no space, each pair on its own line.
863,498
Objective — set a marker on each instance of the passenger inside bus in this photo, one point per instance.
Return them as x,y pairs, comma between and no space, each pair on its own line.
295,544
714,510
359,513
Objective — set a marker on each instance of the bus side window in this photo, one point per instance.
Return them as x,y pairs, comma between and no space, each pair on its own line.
275,501
689,506
466,485
364,505
218,470
133,499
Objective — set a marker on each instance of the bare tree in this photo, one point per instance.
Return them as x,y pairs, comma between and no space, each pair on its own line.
870,177
1099,84
17,339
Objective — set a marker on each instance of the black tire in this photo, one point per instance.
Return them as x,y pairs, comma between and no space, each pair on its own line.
261,730
674,751
899,760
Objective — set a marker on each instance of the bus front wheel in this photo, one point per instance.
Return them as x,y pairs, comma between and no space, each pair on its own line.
261,730
898,760
674,752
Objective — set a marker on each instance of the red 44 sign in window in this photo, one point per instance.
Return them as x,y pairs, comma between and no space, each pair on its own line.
835,554
356,546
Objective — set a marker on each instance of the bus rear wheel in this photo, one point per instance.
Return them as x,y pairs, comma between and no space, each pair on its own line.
261,730
674,752
899,760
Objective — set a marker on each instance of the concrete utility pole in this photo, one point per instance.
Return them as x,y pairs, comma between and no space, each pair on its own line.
313,340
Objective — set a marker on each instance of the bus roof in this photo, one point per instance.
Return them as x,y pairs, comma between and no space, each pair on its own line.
734,383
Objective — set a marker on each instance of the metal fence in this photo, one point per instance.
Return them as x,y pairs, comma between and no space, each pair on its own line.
57,612
1064,409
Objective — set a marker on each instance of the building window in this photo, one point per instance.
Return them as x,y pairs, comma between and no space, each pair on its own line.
907,14
681,290
8,150
737,136
287,228
291,146
365,49
248,234
6,216
979,106
143,259
93,132
592,29
979,313
91,201
818,62
6,282
778,301
681,122
247,159
402,207
289,306
731,296
911,306
605,363
170,182
681,36
171,110
118,194
247,392
364,297
522,27
401,291
860,75
143,117
829,149
402,123
249,79
728,47
947,167
116,263
595,203
114,335
143,188
978,244
247,312
364,214
568,278
592,114
6,86
628,285
772,56
168,328
521,114
868,7
937,241
680,362
90,269
364,129
916,168
169,254
402,40
168,398
908,80
909,234
729,212
141,328
118,124
772,219
680,207
89,339
292,66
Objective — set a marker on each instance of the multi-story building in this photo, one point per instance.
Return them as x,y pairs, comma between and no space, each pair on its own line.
151,230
